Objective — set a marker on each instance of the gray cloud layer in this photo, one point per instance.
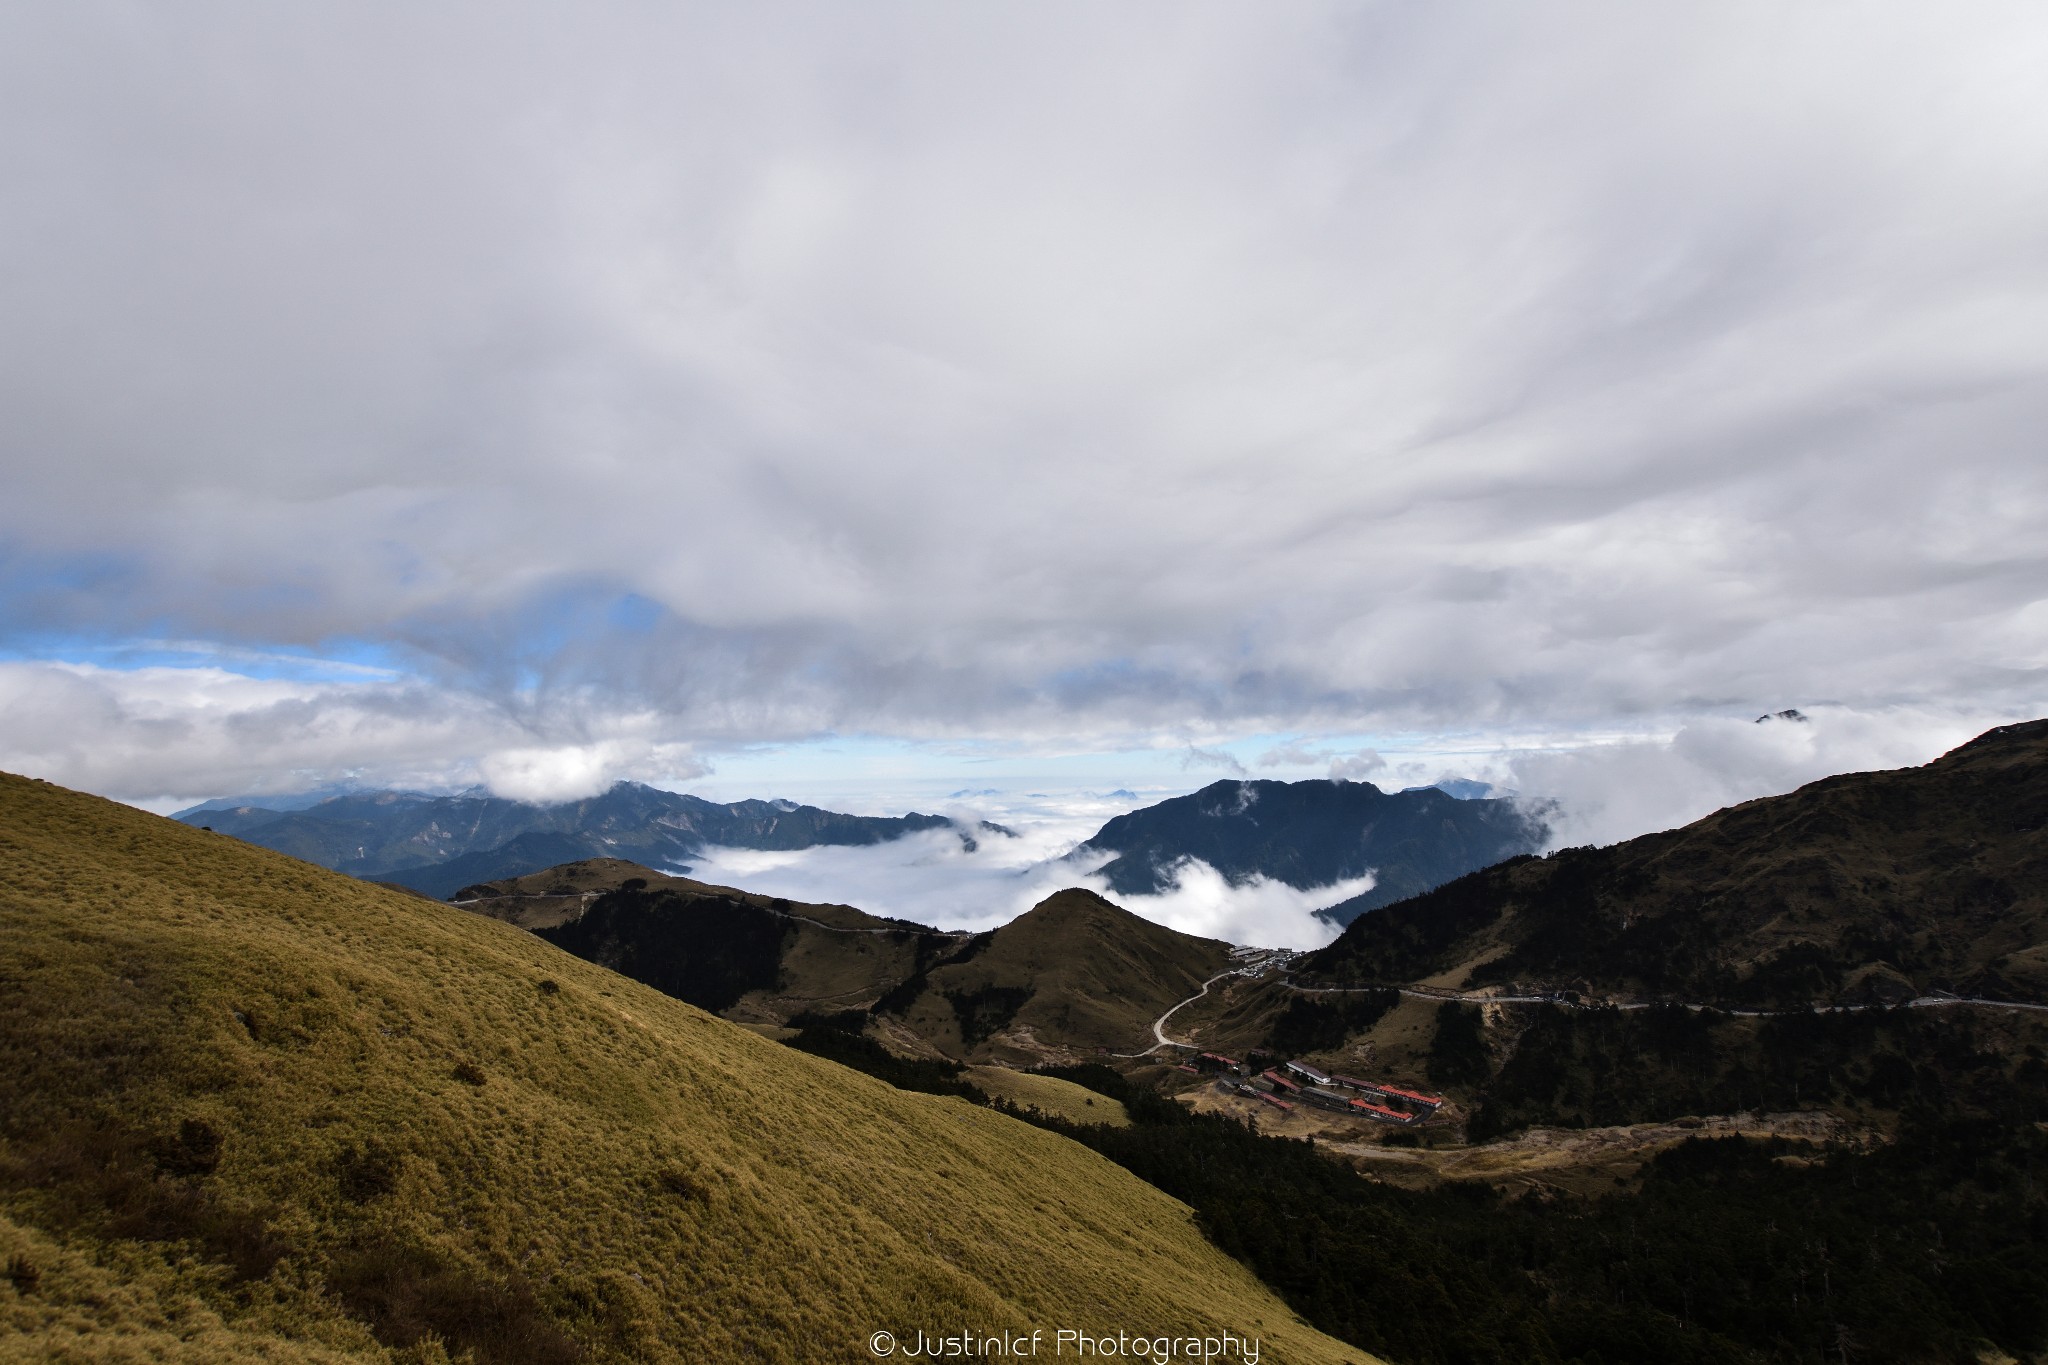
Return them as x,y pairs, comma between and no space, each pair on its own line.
656,376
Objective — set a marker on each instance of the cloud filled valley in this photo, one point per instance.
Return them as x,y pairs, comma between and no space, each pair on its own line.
932,878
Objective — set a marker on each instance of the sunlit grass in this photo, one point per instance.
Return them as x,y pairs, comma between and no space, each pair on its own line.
250,1109
1049,1095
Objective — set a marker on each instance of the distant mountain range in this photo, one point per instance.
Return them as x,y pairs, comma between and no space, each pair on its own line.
1306,834
1310,834
439,844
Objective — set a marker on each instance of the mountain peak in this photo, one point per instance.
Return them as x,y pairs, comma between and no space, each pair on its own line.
1313,834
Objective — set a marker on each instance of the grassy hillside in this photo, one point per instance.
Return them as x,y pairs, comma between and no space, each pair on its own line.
254,1110
1871,887
1048,1095
1072,974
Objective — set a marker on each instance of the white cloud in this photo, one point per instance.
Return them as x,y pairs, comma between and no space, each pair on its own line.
1602,793
932,878
1151,374
166,737
569,772
1212,758
1269,913
1356,767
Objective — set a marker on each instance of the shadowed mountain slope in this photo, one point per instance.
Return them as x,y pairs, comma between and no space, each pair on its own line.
438,844
1310,834
1070,975
1869,886
1073,973
750,957
250,1110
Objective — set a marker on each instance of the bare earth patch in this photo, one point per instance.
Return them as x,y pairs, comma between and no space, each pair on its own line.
1582,1161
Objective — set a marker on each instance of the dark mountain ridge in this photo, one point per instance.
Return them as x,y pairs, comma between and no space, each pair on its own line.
1874,887
1310,834
438,844
1072,974
754,958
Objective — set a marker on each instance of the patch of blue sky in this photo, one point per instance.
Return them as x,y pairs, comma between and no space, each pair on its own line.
40,593
634,614
26,575
335,661
876,774
566,612
526,646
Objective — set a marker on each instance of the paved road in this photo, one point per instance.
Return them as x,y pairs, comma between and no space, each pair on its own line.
1922,1002
1159,1024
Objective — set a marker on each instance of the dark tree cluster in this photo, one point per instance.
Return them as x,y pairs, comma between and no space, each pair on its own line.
1320,1023
1595,1067
1928,1250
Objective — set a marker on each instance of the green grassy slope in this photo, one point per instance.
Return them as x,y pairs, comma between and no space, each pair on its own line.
1049,1095
254,1110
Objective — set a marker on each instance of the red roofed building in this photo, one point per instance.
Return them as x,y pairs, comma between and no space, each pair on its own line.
1432,1101
1381,1112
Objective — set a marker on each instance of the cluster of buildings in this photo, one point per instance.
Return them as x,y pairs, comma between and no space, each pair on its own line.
1259,961
1297,1082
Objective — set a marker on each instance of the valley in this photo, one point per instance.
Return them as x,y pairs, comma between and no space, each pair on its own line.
814,684
251,1109
1425,1103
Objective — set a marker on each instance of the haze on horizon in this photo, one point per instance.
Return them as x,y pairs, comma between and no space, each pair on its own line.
799,399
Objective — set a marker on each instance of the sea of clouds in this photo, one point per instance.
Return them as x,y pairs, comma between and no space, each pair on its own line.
934,878
1596,793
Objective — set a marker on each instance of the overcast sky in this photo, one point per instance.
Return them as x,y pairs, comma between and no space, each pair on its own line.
763,397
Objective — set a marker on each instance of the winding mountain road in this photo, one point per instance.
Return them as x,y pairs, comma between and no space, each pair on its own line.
1445,996
1159,1024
